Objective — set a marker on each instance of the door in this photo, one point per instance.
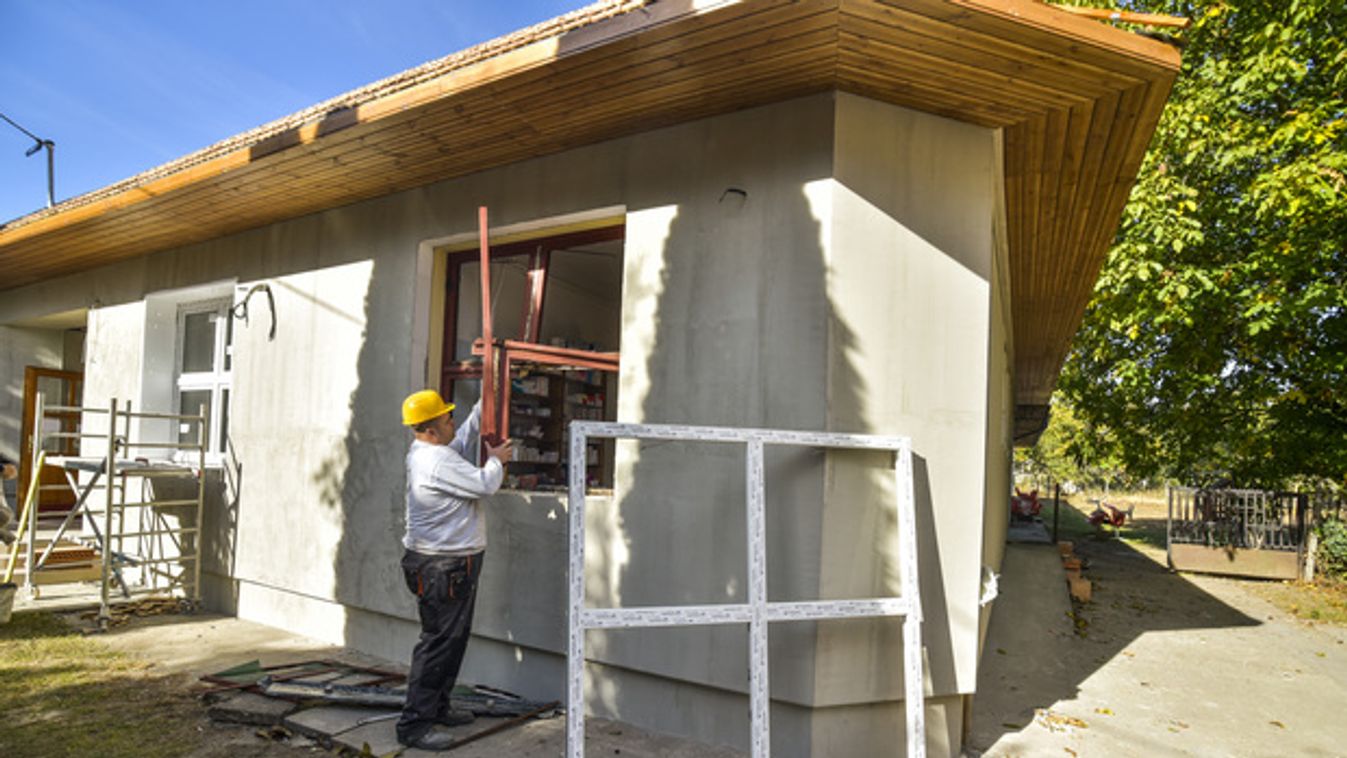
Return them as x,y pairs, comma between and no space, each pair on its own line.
58,388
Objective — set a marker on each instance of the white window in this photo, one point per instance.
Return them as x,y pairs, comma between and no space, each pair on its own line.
204,364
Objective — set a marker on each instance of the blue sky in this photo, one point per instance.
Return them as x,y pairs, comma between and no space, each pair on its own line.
124,85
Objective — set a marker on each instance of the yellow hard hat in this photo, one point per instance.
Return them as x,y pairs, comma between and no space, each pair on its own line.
423,406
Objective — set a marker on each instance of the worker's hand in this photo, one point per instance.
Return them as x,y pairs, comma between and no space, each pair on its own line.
11,471
502,452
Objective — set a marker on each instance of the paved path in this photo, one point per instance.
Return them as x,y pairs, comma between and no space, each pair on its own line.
1167,664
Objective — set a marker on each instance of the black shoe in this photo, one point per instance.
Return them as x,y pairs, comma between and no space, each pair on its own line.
432,740
455,717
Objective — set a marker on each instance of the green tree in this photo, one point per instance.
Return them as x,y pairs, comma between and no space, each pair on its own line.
1072,450
1215,346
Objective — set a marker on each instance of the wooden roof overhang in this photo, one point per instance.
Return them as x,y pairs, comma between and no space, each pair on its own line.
1077,101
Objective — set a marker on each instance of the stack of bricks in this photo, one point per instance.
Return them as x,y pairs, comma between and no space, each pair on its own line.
1080,586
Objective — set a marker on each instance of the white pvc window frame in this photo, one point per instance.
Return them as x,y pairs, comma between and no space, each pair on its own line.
757,612
218,381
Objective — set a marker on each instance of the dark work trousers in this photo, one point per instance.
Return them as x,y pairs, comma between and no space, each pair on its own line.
445,589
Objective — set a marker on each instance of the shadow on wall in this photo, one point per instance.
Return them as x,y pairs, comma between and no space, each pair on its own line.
741,338
360,478
219,545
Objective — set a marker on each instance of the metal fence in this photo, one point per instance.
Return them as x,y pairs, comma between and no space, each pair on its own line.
1252,519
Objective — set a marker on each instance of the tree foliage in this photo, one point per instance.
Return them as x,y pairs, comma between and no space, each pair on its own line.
1070,450
1215,346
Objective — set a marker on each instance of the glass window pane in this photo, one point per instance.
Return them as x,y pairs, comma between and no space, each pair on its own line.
198,342
583,307
189,404
466,393
229,341
509,288
221,446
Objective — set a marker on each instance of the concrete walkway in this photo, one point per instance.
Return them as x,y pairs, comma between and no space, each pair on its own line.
1161,664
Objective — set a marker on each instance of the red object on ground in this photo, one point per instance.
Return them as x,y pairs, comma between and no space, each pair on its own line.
1025,505
1113,516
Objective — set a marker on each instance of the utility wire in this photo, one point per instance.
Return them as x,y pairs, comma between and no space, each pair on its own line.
12,123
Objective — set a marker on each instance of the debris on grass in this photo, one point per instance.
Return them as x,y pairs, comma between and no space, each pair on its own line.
275,733
121,613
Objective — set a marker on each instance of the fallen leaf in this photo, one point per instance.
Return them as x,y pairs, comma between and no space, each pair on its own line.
1056,722
1069,750
1278,724
1321,655
1104,711
1002,651
1009,725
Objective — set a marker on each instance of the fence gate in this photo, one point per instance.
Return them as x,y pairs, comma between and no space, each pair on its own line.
757,612
1241,532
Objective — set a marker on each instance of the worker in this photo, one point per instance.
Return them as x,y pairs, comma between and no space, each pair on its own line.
8,470
445,543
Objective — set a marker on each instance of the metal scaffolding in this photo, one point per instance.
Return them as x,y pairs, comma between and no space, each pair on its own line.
139,530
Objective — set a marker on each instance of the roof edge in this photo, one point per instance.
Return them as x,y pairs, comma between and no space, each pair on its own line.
398,83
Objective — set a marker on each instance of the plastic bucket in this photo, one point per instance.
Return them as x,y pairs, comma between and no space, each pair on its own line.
7,592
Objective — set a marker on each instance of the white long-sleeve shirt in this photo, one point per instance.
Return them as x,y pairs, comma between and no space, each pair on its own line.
444,516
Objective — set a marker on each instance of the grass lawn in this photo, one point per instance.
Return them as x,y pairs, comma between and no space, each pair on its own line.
1322,601
62,694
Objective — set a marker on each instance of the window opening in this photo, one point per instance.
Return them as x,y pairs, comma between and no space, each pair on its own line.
555,309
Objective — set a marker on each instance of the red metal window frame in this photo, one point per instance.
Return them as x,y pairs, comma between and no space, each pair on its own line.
507,353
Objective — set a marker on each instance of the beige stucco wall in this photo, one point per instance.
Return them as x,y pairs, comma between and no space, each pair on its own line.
846,287
19,348
1000,419
112,364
